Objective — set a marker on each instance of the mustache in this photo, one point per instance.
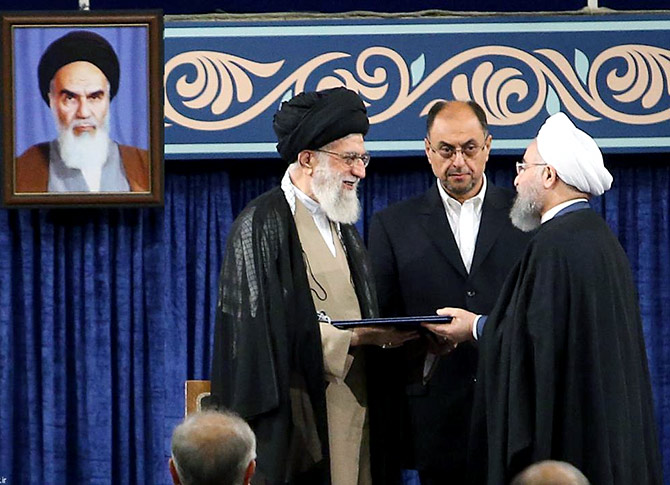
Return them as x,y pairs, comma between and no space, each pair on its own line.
85,122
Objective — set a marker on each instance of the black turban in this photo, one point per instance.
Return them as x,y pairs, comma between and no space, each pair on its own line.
79,45
312,120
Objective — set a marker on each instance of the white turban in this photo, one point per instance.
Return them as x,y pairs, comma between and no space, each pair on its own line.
574,155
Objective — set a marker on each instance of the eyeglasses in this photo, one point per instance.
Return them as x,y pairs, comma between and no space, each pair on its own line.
448,152
350,158
521,166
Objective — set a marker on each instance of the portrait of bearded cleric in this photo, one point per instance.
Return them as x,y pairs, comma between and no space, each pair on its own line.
82,113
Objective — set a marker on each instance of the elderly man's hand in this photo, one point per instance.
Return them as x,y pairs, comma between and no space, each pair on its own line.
386,337
458,330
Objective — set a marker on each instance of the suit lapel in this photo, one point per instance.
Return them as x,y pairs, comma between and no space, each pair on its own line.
435,224
494,216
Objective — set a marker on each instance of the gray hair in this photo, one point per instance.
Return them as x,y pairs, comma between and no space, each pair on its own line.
213,447
320,156
550,472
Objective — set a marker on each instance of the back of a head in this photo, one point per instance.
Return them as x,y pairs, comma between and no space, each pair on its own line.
550,473
213,448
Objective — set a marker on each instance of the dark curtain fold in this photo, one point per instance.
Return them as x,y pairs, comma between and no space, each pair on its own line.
104,313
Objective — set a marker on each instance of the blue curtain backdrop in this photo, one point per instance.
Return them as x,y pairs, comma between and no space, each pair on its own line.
105,313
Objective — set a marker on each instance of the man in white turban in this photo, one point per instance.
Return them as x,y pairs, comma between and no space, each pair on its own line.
563,370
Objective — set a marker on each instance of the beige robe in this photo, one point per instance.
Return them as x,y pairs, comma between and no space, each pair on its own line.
332,291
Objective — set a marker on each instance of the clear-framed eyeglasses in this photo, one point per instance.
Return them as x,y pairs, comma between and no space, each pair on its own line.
448,152
350,158
521,166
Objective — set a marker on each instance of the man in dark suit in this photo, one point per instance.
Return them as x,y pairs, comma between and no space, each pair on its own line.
455,244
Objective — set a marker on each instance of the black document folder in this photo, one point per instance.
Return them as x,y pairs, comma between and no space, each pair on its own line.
407,322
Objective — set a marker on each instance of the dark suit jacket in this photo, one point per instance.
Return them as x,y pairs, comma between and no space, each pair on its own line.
418,269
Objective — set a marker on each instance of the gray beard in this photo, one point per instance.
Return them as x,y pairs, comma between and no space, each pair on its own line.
526,213
84,150
339,204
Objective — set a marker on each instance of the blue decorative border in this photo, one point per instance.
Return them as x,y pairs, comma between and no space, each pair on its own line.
224,80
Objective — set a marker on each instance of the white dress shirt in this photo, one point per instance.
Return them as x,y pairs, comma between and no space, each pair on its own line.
464,220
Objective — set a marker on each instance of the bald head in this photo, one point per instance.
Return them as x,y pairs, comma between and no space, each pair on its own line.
551,473
457,108
212,447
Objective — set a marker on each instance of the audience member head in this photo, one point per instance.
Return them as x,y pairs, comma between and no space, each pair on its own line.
550,473
213,448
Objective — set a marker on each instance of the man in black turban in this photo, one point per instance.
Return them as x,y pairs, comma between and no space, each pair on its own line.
303,385
78,77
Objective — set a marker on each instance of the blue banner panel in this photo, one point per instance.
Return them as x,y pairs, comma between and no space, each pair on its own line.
609,73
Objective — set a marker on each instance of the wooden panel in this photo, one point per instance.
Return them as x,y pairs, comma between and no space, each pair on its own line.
194,392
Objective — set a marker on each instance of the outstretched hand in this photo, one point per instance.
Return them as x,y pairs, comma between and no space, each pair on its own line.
458,330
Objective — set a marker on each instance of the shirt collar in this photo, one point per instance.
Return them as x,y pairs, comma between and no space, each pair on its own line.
310,204
291,192
551,213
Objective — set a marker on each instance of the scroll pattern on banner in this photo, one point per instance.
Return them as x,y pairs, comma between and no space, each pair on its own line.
628,84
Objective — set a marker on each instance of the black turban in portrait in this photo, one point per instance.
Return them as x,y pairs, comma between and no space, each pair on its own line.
79,45
311,120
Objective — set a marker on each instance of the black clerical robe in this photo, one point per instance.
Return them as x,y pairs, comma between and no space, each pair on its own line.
268,362
563,370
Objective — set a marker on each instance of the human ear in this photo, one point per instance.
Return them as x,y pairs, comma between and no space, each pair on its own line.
305,159
550,177
251,469
173,472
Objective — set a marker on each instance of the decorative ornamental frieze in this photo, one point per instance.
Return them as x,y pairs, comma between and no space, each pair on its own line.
611,74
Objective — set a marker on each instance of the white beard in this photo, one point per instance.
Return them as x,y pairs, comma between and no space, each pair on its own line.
526,213
86,151
340,204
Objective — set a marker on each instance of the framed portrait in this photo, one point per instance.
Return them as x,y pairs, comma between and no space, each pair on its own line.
82,109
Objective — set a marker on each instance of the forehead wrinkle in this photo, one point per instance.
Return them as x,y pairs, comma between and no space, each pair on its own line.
80,92
458,137
459,123
80,75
